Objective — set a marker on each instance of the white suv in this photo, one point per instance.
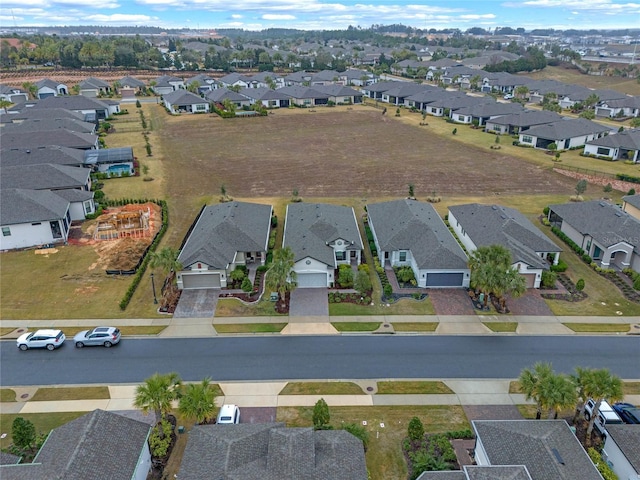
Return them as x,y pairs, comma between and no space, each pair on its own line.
49,339
606,415
229,414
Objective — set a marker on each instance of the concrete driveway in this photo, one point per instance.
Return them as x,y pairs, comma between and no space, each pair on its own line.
307,302
200,303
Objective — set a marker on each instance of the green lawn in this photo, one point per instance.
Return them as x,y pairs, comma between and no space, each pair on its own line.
44,422
509,327
70,393
415,326
249,327
321,388
413,387
356,326
127,330
405,306
232,307
385,460
598,327
631,388
7,395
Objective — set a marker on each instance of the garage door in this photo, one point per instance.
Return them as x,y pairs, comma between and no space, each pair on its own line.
444,279
531,279
312,280
209,280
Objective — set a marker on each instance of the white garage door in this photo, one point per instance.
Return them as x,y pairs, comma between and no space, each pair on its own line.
207,280
312,280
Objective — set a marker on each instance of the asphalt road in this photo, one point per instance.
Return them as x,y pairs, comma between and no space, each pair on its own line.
316,357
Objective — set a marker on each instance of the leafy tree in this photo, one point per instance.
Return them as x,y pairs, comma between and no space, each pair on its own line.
581,187
411,188
345,276
31,89
321,416
237,275
415,430
601,385
246,286
198,401
362,283
157,393
531,384
23,432
280,277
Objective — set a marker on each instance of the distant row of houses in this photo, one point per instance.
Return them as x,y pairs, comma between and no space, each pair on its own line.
405,233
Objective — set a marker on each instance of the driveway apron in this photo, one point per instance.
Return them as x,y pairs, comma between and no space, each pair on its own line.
309,302
200,303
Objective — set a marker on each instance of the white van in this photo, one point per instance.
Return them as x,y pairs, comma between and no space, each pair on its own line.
606,415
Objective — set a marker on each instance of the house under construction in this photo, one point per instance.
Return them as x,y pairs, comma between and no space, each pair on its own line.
124,224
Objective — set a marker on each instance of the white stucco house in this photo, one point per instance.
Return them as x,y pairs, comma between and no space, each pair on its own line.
622,451
322,237
183,101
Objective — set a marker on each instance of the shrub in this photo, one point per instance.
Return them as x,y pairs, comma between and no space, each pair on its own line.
415,429
363,267
362,283
345,276
23,432
548,279
631,191
321,416
545,211
636,283
237,275
587,259
627,178
580,285
388,290
455,130
246,286
601,465
138,104
560,267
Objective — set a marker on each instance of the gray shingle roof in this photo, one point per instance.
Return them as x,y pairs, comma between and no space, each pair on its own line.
527,118
71,102
8,458
62,137
93,82
51,154
31,113
301,92
567,128
131,82
96,446
443,475
37,125
220,94
490,109
416,226
629,139
336,90
270,451
44,176
311,227
263,93
75,195
433,95
47,82
497,225
461,101
627,437
31,206
183,97
496,472
608,224
533,444
224,229
633,200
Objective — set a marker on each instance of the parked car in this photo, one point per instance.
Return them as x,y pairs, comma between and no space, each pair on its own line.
606,415
628,413
229,414
508,96
49,339
105,336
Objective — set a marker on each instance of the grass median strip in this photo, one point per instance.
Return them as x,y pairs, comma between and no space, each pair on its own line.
415,326
7,395
71,393
356,326
598,327
321,388
249,327
413,387
631,388
132,330
500,327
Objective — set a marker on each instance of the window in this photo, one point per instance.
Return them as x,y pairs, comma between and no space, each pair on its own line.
6,231
201,107
603,151
403,256
527,139
340,256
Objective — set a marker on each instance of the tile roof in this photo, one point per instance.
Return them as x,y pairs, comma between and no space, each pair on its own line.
627,438
31,206
311,227
270,451
548,448
416,226
96,446
497,225
608,224
224,229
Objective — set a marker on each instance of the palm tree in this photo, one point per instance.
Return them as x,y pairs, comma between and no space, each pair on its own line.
31,89
601,384
198,401
488,265
280,277
166,259
4,104
580,380
531,382
510,283
157,393
558,392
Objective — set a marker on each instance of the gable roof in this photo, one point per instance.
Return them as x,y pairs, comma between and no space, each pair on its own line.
337,90
633,200
311,227
167,81
497,225
183,97
31,206
43,124
270,451
52,154
527,118
47,82
627,438
548,448
71,102
93,83
129,81
43,113
44,176
234,77
567,128
220,94
629,139
263,93
96,446
490,109
416,226
224,229
300,92
608,224
59,136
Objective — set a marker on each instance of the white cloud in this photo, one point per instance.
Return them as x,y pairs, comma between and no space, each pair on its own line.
85,4
486,16
119,18
271,16
235,16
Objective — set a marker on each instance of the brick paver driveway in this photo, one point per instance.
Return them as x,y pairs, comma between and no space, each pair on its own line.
531,303
451,301
200,303
309,302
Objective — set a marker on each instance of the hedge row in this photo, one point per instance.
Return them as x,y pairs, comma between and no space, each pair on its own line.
143,266
627,178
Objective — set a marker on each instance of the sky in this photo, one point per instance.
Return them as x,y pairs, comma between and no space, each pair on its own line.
324,14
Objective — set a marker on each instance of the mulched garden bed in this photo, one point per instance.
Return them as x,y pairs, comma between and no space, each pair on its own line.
573,296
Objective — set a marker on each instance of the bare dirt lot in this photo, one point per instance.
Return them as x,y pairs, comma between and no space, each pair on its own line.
331,153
